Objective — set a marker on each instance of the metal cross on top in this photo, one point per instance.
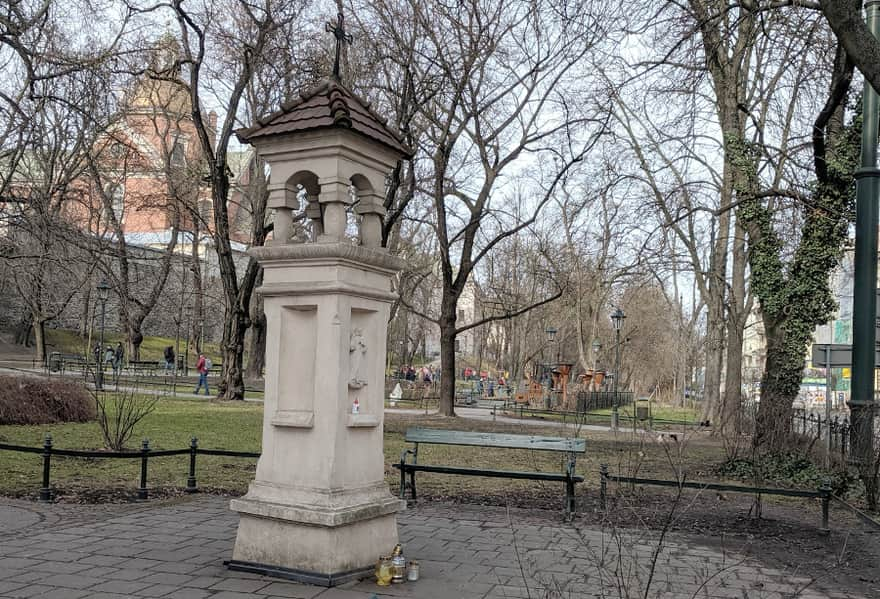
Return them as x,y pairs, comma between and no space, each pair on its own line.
338,31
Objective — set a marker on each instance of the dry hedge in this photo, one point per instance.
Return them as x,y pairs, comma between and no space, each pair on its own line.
31,400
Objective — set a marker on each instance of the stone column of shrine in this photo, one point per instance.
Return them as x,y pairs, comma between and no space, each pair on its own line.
319,509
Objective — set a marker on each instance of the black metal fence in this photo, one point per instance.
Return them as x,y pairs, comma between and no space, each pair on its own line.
823,492
602,400
814,426
144,454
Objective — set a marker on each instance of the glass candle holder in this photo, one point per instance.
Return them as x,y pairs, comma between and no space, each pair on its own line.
383,571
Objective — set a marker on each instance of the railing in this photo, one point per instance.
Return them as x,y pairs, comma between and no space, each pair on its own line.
602,400
567,416
144,454
811,424
823,492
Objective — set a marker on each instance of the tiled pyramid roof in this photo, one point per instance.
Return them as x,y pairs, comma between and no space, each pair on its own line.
329,104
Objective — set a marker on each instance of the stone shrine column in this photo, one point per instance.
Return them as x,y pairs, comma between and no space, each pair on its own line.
319,509
334,201
283,199
371,211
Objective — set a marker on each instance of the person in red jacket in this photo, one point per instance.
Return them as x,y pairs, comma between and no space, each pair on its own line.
202,368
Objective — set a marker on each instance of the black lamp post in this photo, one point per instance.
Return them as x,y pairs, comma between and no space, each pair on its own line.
187,311
551,336
617,318
103,293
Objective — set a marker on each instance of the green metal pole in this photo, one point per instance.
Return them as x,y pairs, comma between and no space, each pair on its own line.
865,270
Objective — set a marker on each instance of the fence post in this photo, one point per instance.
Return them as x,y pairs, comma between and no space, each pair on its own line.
191,485
603,484
825,490
145,450
46,490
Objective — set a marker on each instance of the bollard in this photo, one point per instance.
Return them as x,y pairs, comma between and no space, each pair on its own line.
603,484
46,490
825,490
191,485
145,450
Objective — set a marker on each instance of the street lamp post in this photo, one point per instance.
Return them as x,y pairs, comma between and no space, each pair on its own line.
551,336
597,347
188,315
103,289
617,318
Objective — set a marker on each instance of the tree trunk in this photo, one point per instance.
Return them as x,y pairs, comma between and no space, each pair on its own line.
85,321
714,352
135,339
257,344
197,313
779,384
23,332
447,366
235,326
728,416
40,338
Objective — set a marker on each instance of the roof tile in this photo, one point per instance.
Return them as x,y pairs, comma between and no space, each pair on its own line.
329,104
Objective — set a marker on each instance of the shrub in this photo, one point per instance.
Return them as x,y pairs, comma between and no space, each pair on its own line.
119,413
32,400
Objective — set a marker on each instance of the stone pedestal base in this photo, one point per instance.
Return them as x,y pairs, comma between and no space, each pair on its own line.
273,540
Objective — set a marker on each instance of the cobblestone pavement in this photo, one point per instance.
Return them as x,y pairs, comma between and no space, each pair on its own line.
175,550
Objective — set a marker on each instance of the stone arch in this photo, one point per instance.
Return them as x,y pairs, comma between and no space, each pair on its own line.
361,183
308,180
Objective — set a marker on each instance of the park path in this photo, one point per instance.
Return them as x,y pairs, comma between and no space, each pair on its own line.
175,550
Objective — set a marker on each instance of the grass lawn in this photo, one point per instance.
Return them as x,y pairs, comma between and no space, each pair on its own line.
152,348
237,426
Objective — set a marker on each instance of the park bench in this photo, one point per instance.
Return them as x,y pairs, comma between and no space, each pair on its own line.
63,362
426,436
144,366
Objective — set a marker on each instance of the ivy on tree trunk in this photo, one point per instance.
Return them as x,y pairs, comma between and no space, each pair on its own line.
796,296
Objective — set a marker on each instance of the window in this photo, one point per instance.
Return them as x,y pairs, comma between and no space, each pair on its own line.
116,195
178,151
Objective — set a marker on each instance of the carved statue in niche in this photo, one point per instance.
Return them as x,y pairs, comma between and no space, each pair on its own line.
357,351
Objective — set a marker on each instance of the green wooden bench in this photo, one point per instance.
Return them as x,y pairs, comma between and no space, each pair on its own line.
426,436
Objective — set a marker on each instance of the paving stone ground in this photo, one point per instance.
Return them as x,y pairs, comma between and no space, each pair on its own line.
175,550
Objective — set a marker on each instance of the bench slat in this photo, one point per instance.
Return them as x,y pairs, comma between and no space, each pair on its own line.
489,473
501,440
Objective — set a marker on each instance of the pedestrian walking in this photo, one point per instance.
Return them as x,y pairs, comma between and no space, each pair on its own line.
169,360
109,356
202,368
118,356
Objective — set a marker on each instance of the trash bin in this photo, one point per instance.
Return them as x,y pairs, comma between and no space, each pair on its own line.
55,362
643,409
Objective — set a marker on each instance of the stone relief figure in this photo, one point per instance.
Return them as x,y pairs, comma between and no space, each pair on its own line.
357,350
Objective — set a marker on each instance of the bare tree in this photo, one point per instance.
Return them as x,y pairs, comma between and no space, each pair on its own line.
223,46
495,82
